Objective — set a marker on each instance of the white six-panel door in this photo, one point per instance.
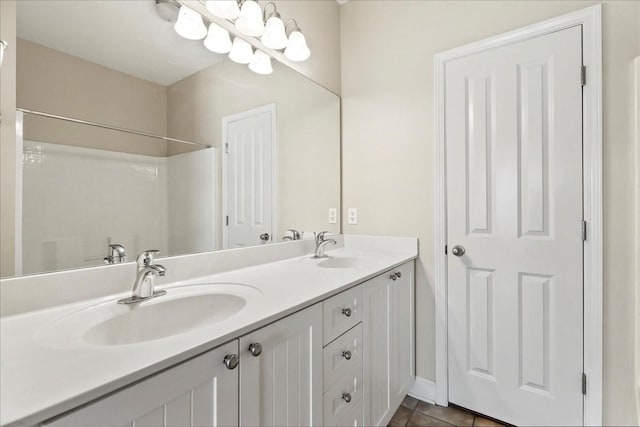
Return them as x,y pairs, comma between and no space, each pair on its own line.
248,181
513,125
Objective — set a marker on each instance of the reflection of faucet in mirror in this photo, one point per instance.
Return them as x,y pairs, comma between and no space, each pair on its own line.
295,235
321,242
117,256
143,288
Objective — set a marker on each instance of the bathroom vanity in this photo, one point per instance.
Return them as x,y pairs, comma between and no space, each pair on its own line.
299,341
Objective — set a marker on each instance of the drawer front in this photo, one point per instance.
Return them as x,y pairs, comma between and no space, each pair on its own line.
340,399
342,355
355,417
341,313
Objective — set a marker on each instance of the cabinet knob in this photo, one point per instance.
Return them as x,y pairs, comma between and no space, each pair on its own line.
255,349
398,275
231,361
346,355
394,276
346,397
346,312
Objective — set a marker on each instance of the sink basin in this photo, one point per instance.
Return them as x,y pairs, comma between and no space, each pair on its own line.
342,262
183,309
164,318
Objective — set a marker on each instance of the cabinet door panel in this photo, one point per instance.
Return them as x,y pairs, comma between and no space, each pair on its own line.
201,391
283,385
376,323
402,333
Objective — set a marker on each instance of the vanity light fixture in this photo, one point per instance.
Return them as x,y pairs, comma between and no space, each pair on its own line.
241,51
274,36
261,63
250,20
190,25
225,9
297,49
218,39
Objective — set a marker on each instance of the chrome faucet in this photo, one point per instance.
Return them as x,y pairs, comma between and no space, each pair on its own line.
295,235
321,242
143,288
117,256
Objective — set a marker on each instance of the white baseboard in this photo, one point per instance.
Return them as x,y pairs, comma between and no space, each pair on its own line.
424,390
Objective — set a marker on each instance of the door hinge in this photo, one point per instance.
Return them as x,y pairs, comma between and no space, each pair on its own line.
445,249
226,148
227,220
583,75
584,231
584,383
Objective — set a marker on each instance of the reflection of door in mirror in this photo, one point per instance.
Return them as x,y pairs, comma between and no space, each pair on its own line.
248,191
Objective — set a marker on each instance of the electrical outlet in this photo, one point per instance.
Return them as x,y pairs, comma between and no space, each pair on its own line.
333,215
352,216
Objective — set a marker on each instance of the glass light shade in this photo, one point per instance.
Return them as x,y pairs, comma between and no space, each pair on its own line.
241,51
261,63
226,9
274,36
297,49
189,24
250,20
218,39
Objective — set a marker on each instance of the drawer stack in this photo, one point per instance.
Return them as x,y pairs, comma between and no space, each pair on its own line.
342,358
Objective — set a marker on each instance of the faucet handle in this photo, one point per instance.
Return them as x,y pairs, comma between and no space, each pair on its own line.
295,233
147,257
320,236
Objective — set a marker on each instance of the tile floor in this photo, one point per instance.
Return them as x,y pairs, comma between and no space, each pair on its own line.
414,412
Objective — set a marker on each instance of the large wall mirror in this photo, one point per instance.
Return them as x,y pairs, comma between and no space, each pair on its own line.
133,137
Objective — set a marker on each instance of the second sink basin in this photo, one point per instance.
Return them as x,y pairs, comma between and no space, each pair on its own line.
183,309
342,262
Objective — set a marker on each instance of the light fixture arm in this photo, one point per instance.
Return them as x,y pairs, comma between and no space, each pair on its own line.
295,27
266,15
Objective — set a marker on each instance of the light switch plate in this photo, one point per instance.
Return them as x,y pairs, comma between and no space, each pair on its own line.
333,215
352,216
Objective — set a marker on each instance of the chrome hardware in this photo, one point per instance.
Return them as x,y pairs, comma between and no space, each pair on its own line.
117,256
346,355
398,274
346,397
231,361
321,242
264,237
295,235
346,312
394,276
458,250
255,349
143,288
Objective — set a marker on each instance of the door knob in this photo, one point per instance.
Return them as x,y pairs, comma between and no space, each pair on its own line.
458,250
231,361
255,349
264,237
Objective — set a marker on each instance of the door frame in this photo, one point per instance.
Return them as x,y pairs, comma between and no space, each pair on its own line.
269,108
591,20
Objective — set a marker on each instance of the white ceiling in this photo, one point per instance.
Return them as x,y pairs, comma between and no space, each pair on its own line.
125,35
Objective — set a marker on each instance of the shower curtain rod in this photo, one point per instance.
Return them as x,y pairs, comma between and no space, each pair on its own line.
103,126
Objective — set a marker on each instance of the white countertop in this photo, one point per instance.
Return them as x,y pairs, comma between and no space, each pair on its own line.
39,380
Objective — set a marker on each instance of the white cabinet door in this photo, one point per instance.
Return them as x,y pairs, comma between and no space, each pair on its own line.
402,333
199,392
282,385
388,343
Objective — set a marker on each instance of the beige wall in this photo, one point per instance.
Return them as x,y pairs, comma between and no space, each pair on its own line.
388,149
54,82
319,21
307,140
7,138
